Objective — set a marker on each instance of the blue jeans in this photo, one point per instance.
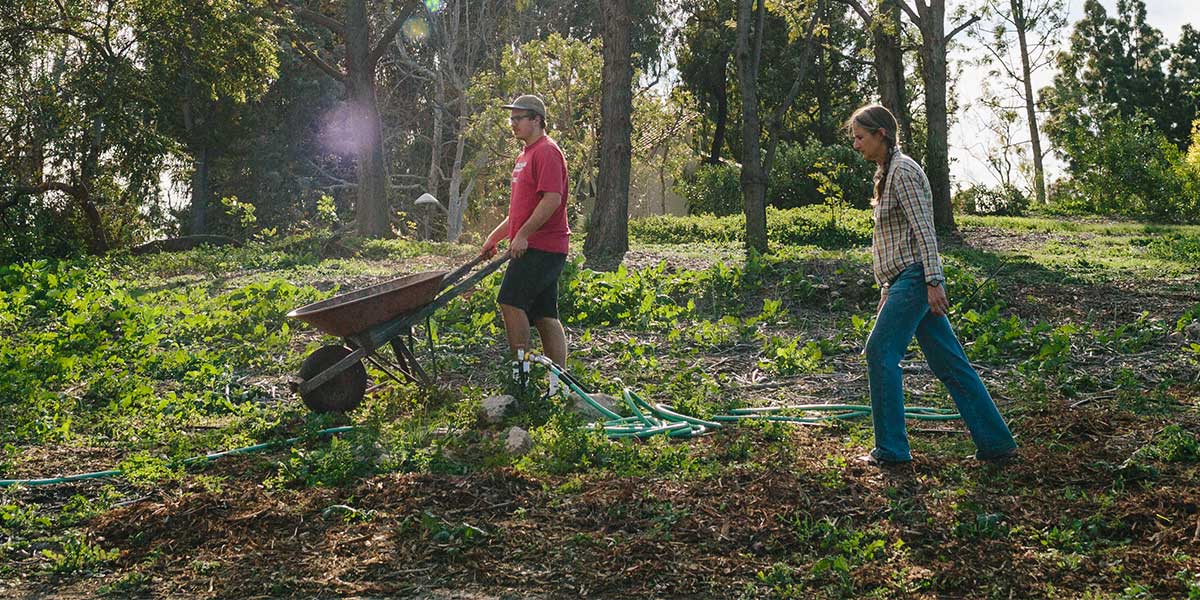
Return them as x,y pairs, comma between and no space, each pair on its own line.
905,313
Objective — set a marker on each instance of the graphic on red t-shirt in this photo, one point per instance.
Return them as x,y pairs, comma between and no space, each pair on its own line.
539,169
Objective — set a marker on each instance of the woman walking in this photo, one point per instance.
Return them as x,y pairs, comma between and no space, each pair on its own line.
913,301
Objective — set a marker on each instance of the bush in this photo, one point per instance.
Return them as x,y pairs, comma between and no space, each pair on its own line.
1129,168
1005,200
713,190
805,174
823,226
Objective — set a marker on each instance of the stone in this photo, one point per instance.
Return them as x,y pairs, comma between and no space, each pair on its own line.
589,412
517,441
496,408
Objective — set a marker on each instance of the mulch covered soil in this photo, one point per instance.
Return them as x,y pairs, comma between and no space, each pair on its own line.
949,526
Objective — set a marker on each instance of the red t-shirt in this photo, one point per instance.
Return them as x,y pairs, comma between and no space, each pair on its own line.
539,169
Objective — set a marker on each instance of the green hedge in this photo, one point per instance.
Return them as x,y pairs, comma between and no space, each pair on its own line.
809,225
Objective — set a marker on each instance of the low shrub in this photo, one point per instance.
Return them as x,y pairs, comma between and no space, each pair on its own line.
1005,201
824,226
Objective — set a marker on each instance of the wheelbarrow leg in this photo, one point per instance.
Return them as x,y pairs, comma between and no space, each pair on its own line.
408,362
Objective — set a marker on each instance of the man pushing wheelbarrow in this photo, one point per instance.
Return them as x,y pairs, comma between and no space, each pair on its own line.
333,377
538,236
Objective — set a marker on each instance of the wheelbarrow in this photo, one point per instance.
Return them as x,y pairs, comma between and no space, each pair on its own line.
333,378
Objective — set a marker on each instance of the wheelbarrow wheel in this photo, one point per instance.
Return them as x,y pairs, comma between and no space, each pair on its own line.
340,394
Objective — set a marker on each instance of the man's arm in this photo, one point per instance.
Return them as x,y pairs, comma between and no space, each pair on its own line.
542,213
489,246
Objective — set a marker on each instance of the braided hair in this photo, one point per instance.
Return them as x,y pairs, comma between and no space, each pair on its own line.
872,118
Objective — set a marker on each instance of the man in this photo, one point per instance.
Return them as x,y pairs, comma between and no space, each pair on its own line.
537,231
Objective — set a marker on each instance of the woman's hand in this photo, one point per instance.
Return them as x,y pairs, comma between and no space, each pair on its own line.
882,301
938,304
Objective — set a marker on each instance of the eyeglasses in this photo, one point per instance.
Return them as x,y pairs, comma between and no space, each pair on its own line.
517,119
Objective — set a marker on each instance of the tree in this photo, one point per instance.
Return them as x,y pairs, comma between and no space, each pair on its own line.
930,19
1034,26
1184,78
704,64
608,227
76,115
204,60
464,37
566,74
360,50
751,19
888,57
1116,66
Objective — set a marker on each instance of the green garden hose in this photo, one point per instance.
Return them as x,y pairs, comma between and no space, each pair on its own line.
648,420
186,461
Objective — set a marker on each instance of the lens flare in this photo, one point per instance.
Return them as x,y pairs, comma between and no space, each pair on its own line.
433,5
415,29
347,130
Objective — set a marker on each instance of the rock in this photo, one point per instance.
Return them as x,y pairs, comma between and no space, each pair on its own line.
589,412
496,408
1193,329
517,441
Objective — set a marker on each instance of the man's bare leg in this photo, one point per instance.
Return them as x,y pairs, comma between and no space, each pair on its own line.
516,327
554,340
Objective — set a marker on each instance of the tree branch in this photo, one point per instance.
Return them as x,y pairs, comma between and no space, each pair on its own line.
329,69
912,15
317,18
961,27
858,8
385,39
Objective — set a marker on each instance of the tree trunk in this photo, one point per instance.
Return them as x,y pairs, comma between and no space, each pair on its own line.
1039,176
608,226
754,181
372,212
200,191
434,182
889,65
933,68
82,193
718,141
457,205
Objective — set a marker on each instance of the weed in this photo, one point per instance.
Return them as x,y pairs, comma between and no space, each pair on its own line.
1172,444
77,555
134,583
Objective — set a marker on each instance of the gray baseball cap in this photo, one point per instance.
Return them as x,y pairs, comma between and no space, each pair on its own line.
528,102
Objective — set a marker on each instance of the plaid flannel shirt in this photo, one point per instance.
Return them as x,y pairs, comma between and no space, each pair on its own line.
904,233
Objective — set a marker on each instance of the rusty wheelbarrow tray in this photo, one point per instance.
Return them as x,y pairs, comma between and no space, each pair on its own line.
333,378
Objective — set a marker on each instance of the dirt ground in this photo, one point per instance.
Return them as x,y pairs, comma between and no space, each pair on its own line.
1076,514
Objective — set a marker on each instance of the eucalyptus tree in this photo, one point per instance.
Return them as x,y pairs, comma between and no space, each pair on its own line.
80,142
703,62
1115,65
202,61
354,39
1020,38
751,32
882,19
608,227
930,18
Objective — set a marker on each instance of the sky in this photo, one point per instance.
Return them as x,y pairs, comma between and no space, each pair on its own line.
969,138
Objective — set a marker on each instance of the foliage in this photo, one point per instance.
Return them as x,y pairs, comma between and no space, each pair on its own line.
75,115
566,73
827,227
1127,168
813,173
78,555
1005,201
713,190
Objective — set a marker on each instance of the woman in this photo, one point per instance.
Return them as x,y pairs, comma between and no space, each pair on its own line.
913,301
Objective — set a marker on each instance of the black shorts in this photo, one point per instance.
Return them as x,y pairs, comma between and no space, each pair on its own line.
531,284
